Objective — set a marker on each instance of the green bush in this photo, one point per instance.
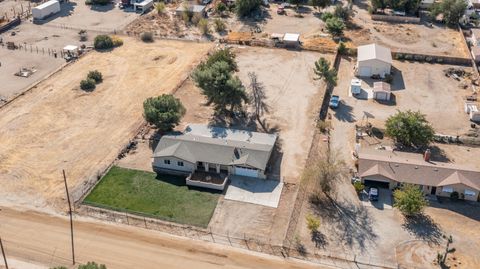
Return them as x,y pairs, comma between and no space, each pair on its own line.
359,187
245,7
103,42
219,25
342,49
327,15
117,41
408,57
203,26
88,2
399,56
221,7
313,223
147,37
95,75
160,8
454,195
87,84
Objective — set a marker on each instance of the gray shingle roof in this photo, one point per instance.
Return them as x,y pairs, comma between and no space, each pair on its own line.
411,168
201,143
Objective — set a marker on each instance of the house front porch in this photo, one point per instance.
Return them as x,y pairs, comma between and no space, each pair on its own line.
209,180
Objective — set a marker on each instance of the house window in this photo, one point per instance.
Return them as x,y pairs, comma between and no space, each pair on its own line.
166,161
470,192
447,189
180,163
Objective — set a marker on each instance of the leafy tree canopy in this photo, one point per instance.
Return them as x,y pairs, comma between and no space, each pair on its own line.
163,111
410,129
409,200
335,26
245,7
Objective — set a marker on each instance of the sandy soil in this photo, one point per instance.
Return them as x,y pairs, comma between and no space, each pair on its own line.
10,8
414,38
58,126
120,246
294,98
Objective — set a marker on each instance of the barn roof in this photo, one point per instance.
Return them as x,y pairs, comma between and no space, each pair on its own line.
374,51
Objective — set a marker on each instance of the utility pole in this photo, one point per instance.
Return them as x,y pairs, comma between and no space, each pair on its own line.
70,213
3,253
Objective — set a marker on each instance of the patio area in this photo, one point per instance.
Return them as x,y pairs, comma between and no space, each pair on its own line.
208,180
255,191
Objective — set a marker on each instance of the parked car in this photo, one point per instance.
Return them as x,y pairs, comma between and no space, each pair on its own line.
373,194
334,101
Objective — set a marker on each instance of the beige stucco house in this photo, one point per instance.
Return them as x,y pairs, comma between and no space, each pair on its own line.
204,153
391,169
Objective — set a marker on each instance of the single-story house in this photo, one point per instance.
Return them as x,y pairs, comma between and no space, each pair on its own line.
194,9
381,91
373,59
390,169
202,152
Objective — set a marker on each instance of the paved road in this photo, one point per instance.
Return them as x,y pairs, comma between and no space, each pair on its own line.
44,239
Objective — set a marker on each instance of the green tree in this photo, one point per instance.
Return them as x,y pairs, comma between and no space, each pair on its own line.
163,111
326,15
219,25
221,7
222,55
378,4
452,11
320,4
102,42
95,75
295,2
203,26
410,129
87,84
359,187
220,88
245,7
409,199
92,265
323,71
335,26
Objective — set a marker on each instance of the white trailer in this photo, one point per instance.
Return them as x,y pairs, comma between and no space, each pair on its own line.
143,6
46,9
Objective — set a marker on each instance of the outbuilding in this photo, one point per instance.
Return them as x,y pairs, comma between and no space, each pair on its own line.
291,40
356,86
45,10
381,91
372,60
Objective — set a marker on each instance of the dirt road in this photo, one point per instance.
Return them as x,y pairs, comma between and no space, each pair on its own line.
58,126
44,239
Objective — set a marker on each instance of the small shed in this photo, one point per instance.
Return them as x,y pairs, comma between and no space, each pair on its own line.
381,91
291,40
372,60
356,86
71,50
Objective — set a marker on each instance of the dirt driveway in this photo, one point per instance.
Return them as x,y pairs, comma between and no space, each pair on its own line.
58,126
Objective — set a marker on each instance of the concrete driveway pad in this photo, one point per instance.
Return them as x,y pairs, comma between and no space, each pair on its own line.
253,190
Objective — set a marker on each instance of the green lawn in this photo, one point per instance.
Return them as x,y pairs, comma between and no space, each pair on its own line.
151,194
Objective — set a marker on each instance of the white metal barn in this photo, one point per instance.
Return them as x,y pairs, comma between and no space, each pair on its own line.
46,9
373,59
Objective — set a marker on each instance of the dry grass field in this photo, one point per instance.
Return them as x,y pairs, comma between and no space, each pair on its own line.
58,126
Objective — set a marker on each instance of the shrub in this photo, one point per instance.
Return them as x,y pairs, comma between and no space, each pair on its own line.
408,57
342,49
221,7
146,37
102,42
429,59
203,26
399,56
160,8
88,2
245,7
359,187
117,41
439,60
87,84
454,195
313,223
323,126
326,16
196,19
95,75
219,25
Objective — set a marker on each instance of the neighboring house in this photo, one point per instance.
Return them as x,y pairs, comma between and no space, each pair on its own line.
373,59
202,151
194,9
390,169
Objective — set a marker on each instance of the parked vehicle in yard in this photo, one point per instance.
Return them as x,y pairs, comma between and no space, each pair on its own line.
373,194
334,101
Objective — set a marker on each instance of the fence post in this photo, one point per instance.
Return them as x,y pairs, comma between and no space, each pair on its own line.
126,215
228,237
145,221
211,234
246,242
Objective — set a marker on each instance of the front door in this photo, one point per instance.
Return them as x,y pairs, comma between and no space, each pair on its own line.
434,190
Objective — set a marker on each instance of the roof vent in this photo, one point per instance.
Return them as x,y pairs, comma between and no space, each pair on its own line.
396,165
416,167
435,169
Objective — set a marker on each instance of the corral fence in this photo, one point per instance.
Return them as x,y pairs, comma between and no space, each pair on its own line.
36,50
268,43
395,19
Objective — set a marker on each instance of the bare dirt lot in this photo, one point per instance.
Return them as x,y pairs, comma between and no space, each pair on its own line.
58,126
413,38
11,8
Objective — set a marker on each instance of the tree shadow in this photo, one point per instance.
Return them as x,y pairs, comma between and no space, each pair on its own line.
423,227
344,112
468,209
439,154
102,8
319,239
351,222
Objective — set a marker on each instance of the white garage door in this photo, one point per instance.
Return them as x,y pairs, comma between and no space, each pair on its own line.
365,71
246,172
381,96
